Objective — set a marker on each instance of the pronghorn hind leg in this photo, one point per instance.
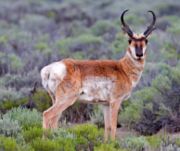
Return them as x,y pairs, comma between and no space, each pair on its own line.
66,94
52,96
52,115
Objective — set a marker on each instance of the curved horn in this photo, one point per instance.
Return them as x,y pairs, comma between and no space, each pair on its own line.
151,27
125,26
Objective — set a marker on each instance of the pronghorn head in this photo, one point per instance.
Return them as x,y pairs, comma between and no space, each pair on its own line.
138,42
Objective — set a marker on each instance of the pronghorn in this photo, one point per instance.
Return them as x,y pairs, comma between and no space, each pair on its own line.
106,82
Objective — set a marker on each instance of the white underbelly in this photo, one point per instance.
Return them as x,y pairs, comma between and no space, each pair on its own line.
96,89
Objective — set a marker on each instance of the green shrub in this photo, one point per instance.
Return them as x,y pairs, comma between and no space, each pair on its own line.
177,142
135,143
131,19
141,99
154,141
8,95
167,89
63,45
65,139
165,83
34,22
175,75
9,127
108,147
97,117
8,104
8,144
43,48
45,145
32,133
10,99
174,28
2,58
78,28
119,45
16,82
61,133
66,144
87,136
26,147
15,62
42,100
88,39
169,51
51,14
103,26
25,117
169,144
132,113
85,42
78,55
3,39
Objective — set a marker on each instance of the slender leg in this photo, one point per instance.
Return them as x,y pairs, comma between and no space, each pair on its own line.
52,96
107,126
54,121
65,95
114,108
52,115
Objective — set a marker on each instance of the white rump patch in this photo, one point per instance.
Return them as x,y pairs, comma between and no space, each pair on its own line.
52,75
96,89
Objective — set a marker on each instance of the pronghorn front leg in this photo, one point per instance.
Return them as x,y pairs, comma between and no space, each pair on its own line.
114,109
107,126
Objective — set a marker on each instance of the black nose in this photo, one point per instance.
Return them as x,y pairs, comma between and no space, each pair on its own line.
139,54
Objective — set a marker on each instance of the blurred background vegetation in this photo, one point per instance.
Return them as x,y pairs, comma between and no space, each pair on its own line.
34,33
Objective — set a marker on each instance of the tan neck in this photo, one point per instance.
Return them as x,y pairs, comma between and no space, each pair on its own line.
133,68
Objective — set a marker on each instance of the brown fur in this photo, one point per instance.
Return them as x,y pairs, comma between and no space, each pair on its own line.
101,68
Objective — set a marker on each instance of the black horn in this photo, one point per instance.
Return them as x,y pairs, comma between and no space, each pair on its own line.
125,26
151,27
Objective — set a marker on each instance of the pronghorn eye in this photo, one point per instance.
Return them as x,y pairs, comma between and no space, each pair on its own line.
129,41
146,41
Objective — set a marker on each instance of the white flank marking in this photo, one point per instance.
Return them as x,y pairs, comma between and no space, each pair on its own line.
96,88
